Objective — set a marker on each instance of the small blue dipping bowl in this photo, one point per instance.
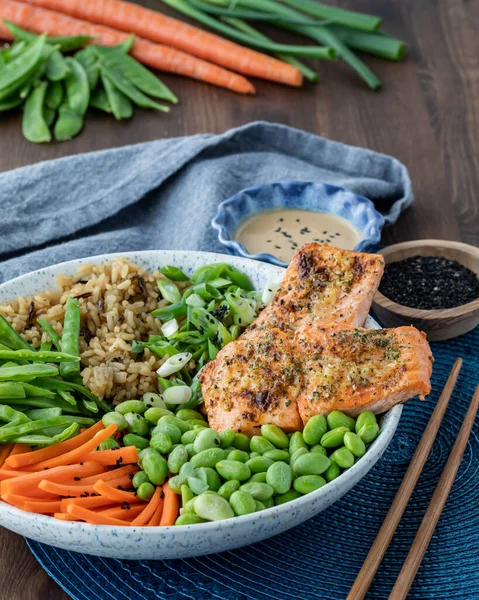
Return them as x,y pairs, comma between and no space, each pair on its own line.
317,197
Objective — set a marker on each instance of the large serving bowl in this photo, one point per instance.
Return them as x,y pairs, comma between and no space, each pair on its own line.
150,543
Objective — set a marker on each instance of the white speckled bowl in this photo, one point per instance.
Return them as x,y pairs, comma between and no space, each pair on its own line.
153,543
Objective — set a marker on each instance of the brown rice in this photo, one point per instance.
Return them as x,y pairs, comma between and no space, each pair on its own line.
116,300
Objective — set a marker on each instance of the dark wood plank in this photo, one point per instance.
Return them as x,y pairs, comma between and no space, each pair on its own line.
427,115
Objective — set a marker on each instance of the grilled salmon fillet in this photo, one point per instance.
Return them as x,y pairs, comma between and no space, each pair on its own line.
353,370
323,284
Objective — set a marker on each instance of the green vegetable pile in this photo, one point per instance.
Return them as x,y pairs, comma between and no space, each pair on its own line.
227,474
55,90
42,398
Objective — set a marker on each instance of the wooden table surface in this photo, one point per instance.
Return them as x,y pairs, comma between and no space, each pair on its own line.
426,115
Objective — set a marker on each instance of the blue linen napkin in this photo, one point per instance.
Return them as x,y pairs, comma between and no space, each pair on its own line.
163,194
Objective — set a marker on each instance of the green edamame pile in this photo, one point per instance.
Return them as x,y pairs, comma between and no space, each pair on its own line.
227,474
56,90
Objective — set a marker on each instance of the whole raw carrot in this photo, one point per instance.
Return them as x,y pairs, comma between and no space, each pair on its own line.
156,56
5,33
159,28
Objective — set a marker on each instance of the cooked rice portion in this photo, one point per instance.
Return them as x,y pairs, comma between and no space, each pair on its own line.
115,300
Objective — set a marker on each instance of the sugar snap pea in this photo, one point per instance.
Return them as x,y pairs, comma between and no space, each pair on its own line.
9,414
67,44
11,102
120,105
11,389
71,337
56,66
11,338
69,123
16,72
9,432
34,127
49,115
47,328
77,87
27,372
88,59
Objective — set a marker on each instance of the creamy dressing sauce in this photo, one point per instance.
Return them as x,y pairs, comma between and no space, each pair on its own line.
281,232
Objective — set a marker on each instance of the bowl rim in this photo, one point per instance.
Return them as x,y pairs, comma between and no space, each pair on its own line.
379,445
432,314
225,239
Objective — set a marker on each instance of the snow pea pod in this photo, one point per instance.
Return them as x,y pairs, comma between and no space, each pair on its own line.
16,72
78,89
69,123
89,61
34,127
56,67
71,337
49,116
121,105
11,102
99,99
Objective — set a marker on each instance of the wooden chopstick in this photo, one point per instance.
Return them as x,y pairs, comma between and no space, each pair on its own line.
383,539
434,510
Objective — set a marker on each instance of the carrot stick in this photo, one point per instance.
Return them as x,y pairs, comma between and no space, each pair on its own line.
156,518
109,475
125,514
9,474
14,500
20,449
90,502
171,506
124,456
163,58
42,506
29,481
108,491
30,458
5,450
144,517
70,489
161,29
65,517
77,454
93,517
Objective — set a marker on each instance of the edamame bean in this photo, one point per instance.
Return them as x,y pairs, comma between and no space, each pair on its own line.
146,452
213,507
208,458
259,464
299,452
314,430
155,413
130,406
156,467
241,441
259,505
343,458
260,444
260,477
287,497
189,436
189,519
171,430
242,503
139,478
275,435
308,483
183,426
233,469
334,438
175,483
369,432
188,470
228,488
338,419
189,507
277,455
254,454
332,471
186,495
137,424
259,491
226,438
195,423
365,417
162,442
296,441
279,476
115,419
354,444
269,502
186,414
210,477
109,444
190,449
177,458
319,449
130,439
197,486
206,438
145,491
310,464
238,455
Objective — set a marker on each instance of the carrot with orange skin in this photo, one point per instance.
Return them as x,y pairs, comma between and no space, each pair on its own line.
157,56
30,458
5,451
93,517
78,490
124,456
5,33
170,507
108,491
144,517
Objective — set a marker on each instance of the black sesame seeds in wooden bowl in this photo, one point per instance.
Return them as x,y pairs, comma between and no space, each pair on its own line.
431,284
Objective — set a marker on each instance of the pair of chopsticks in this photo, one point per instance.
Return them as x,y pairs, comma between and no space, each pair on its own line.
438,500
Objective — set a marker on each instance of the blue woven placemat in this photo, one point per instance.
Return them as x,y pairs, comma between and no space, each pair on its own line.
321,558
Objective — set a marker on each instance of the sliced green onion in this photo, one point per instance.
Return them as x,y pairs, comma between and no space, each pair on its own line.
169,328
212,350
174,364
207,273
178,394
169,291
195,300
244,312
219,282
170,312
173,273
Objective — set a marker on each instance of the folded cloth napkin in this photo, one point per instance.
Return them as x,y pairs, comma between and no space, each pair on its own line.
163,194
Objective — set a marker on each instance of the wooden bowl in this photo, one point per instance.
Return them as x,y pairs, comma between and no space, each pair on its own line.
438,324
